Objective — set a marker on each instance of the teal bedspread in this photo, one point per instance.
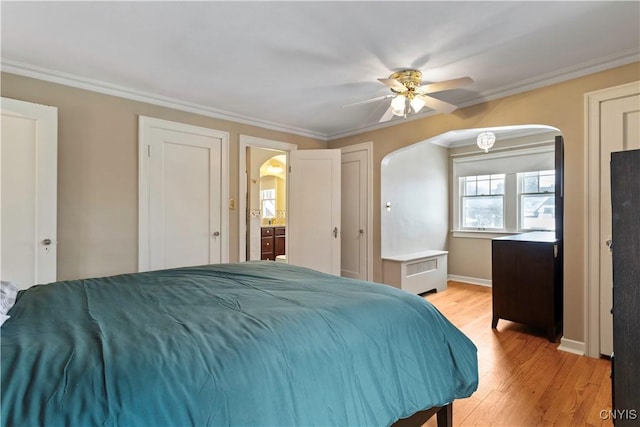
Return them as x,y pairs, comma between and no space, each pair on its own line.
257,343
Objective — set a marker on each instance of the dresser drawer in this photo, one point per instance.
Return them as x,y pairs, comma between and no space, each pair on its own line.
267,231
267,245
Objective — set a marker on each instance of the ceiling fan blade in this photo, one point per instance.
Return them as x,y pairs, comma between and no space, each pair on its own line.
388,115
437,105
366,101
446,85
393,84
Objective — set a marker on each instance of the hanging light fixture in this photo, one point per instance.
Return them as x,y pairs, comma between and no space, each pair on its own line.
274,168
486,140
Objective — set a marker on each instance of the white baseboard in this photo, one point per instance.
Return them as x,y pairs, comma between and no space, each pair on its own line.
472,280
571,346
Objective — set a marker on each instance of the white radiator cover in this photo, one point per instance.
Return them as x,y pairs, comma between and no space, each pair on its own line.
416,272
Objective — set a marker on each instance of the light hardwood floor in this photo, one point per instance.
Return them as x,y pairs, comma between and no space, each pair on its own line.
524,379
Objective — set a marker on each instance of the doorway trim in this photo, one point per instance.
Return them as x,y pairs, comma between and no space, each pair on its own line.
367,147
247,141
593,101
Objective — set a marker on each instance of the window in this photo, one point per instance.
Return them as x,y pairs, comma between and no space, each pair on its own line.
537,200
268,202
483,201
504,192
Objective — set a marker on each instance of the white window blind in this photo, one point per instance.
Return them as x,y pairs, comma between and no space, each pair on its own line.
526,160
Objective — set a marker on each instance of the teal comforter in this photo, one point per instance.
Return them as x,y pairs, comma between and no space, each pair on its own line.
257,343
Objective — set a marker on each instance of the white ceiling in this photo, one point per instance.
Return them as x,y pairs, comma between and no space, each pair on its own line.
293,65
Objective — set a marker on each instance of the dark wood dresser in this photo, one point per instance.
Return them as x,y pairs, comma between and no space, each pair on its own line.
527,280
625,209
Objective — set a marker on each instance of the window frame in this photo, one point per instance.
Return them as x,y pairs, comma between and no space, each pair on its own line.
522,194
510,162
464,196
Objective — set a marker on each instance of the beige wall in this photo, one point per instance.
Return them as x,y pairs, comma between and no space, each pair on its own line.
561,106
97,183
98,172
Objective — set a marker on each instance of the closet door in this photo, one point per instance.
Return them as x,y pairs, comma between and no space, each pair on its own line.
183,220
28,195
313,229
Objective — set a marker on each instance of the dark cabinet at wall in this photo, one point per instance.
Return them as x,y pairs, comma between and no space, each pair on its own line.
527,280
625,208
272,242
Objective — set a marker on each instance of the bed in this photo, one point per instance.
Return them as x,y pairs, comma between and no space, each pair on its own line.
254,343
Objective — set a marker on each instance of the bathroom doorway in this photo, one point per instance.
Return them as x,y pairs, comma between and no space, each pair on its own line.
254,153
267,204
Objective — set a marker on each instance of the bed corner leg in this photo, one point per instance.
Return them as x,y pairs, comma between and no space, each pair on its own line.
445,416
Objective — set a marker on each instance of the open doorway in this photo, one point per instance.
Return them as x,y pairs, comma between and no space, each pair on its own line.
254,153
424,207
311,240
267,204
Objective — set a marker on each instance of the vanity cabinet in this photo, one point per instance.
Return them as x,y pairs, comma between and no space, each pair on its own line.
279,241
272,242
527,280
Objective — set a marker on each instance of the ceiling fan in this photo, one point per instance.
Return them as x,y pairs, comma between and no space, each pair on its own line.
410,95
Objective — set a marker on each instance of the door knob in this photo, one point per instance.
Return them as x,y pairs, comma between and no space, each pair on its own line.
335,232
216,233
46,242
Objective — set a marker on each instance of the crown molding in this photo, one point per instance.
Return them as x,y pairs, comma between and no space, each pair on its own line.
568,73
561,75
67,79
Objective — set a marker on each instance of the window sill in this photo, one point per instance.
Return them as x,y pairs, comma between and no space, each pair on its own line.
482,234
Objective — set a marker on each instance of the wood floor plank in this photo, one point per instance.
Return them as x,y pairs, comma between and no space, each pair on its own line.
524,380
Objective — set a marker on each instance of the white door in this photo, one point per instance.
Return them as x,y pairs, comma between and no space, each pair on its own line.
28,194
354,219
182,181
620,131
313,235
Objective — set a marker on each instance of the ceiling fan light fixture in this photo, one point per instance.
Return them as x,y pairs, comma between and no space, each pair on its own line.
410,96
274,168
398,104
417,103
486,140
